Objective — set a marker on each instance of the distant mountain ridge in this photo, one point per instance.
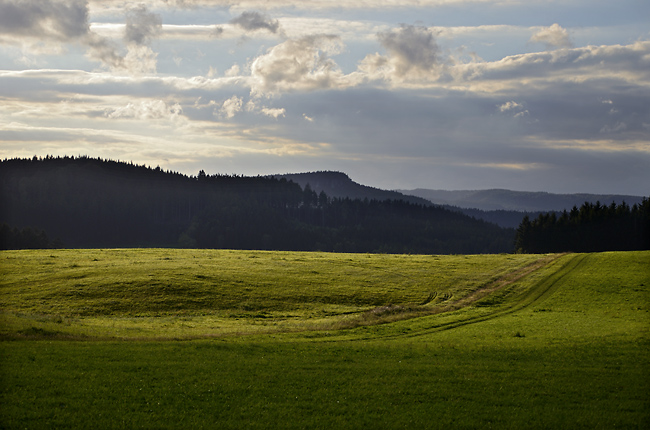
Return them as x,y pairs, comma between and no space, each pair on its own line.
499,206
501,199
339,185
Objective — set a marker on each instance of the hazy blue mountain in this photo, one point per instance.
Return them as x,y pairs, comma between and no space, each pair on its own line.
499,199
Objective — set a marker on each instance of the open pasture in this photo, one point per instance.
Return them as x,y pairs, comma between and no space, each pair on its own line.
352,341
171,293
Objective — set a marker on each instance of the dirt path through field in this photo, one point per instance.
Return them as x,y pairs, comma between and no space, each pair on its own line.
391,313
535,295
500,283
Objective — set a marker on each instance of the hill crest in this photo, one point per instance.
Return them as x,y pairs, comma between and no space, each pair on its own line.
524,201
340,185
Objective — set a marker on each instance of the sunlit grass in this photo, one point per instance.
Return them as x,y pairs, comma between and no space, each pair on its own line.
566,345
176,293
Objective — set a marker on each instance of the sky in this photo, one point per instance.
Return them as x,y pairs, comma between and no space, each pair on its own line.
529,95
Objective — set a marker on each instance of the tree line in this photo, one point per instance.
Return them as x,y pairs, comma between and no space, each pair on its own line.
591,228
83,202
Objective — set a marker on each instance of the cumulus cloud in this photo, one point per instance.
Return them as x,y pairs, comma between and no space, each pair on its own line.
142,26
553,37
273,112
233,71
147,109
252,21
252,106
231,107
140,59
38,23
412,54
299,64
512,107
509,106
410,48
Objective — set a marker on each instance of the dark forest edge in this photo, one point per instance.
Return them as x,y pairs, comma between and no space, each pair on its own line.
591,228
83,202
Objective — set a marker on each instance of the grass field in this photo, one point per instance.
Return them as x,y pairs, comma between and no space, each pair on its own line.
238,339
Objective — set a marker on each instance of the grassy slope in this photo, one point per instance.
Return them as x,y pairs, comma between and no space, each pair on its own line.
180,293
565,347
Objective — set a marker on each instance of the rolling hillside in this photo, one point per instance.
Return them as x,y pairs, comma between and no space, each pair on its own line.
339,185
177,339
85,203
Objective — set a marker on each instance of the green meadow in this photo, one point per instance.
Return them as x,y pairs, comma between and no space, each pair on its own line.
160,338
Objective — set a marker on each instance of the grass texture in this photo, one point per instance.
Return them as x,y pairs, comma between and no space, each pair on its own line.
165,293
508,341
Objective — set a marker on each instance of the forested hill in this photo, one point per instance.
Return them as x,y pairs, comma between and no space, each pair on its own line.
339,185
592,228
87,202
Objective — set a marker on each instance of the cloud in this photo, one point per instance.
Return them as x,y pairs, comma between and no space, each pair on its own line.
140,60
410,48
252,21
141,26
39,24
299,64
412,55
146,110
233,71
629,63
297,5
273,112
553,37
509,106
57,20
231,107
514,107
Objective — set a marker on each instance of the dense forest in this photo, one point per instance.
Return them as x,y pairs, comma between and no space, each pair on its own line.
89,202
591,228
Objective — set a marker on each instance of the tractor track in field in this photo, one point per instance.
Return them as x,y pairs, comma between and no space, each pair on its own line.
535,295
498,284
540,291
